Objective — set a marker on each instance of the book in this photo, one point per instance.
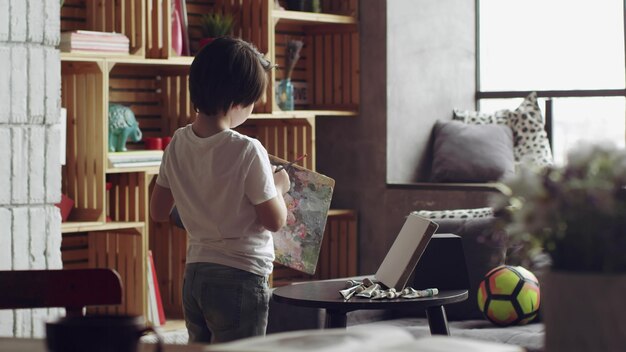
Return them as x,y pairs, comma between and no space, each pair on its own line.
152,315
297,245
92,41
135,164
405,251
139,158
135,155
157,290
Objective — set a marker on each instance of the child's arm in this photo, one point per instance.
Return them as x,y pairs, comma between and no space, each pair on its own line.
273,213
161,203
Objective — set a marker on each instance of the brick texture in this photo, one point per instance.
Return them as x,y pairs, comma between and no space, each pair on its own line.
5,89
36,165
19,169
35,21
18,21
19,84
36,91
5,170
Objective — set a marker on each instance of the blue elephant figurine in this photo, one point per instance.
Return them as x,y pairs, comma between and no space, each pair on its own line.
122,125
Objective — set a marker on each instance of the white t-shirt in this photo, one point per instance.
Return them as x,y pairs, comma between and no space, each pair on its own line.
216,182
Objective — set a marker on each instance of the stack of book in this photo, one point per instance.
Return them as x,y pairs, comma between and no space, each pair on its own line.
80,41
135,158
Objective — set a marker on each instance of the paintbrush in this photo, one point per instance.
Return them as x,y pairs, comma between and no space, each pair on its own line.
289,164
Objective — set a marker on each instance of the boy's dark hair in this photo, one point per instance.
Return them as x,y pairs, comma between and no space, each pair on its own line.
225,73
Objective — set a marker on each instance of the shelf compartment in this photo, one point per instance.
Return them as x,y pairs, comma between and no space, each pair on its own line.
84,226
327,74
126,253
127,198
168,244
293,114
83,85
310,18
252,19
122,249
121,16
158,95
286,139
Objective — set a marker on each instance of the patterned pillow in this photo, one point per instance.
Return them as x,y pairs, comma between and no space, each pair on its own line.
456,213
529,136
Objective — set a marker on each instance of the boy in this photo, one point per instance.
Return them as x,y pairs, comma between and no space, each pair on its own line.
227,196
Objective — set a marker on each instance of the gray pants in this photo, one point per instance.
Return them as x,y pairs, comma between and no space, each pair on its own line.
223,304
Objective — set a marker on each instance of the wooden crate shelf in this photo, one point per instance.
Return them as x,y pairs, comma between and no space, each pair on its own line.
310,18
158,94
127,199
110,227
74,226
121,16
121,247
328,67
83,95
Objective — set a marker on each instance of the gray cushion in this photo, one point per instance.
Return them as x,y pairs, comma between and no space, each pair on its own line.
484,249
531,142
471,153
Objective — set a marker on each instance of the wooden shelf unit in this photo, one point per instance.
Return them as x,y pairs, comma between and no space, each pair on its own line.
310,18
111,227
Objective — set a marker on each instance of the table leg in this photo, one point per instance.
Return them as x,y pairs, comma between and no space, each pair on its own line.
336,319
437,320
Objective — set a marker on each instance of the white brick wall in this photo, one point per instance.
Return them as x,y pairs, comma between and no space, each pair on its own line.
4,20
5,170
19,84
52,25
36,165
53,85
53,165
30,175
5,76
35,21
19,165
36,91
18,21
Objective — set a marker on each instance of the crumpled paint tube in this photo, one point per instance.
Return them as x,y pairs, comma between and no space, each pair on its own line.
369,289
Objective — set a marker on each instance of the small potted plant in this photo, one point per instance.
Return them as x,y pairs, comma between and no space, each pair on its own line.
576,214
215,25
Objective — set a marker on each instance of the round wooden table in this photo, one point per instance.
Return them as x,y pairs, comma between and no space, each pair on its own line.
325,294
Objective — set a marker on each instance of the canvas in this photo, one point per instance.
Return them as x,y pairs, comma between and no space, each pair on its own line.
297,245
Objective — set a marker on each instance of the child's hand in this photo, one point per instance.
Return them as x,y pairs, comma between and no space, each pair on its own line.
282,181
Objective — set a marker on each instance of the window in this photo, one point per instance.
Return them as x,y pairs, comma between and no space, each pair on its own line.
568,50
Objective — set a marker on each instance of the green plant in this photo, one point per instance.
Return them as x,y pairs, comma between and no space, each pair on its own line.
216,24
575,213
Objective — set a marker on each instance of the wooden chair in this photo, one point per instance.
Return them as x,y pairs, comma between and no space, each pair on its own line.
73,289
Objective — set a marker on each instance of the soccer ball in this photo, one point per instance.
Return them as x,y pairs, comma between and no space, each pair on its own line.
509,295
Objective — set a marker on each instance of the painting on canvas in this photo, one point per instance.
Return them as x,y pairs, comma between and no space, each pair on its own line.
297,245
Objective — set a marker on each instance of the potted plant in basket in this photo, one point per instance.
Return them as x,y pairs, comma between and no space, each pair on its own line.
215,25
577,215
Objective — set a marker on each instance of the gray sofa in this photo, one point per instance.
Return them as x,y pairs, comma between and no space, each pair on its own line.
452,266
